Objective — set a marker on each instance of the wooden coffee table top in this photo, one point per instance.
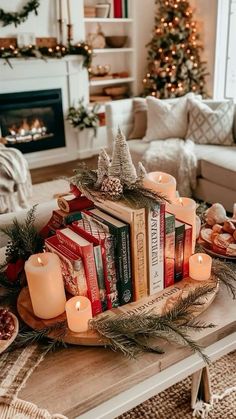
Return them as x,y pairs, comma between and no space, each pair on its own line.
74,380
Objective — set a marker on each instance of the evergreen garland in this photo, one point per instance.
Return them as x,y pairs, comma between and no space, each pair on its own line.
17,18
59,51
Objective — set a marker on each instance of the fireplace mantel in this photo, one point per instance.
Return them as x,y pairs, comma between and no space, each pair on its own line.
66,74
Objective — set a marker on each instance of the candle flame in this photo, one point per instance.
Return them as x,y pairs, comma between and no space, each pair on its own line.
40,261
160,179
200,260
181,201
77,305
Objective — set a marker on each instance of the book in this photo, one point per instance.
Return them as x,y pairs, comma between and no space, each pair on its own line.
84,249
64,218
179,249
117,8
120,232
169,264
71,265
95,234
137,220
125,9
156,230
97,250
187,249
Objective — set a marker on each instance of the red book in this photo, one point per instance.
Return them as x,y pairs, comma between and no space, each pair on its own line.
91,231
187,249
118,8
84,249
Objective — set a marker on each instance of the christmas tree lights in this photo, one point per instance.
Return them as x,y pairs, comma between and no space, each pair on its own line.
174,55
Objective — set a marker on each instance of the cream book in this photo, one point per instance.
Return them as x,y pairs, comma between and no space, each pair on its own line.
137,221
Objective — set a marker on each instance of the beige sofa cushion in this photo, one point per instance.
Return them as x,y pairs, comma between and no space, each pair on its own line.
140,118
217,164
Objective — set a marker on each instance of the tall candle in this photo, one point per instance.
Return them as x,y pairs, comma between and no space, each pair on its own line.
46,287
161,182
200,266
78,313
68,12
184,210
60,9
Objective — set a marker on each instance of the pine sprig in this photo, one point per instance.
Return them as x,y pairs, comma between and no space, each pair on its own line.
133,334
24,239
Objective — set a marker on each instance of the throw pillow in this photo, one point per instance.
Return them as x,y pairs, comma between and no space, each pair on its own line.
167,119
140,118
208,126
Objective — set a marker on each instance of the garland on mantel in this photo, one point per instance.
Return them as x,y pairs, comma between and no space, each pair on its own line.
59,51
17,18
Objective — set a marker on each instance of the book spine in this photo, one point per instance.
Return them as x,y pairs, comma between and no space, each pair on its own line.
110,274
155,262
187,251
139,254
100,276
169,264
122,250
90,270
118,8
179,252
66,218
126,10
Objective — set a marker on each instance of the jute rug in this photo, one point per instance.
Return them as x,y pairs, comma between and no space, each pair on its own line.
174,403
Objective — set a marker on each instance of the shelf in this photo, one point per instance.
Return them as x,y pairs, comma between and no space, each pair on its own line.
107,20
110,82
111,50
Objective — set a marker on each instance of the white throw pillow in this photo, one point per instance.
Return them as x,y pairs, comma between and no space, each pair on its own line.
208,126
167,120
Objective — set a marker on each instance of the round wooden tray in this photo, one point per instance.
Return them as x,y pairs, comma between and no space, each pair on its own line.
160,302
5,343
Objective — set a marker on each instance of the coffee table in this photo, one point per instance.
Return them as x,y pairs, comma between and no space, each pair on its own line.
94,383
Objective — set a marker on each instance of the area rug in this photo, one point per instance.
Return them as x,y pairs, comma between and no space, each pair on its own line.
175,402
43,192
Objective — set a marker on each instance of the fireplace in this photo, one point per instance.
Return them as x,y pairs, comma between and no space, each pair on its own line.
32,121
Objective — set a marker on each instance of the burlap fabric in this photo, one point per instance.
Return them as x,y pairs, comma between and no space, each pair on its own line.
174,403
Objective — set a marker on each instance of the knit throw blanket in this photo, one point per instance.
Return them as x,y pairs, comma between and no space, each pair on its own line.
176,157
15,180
15,368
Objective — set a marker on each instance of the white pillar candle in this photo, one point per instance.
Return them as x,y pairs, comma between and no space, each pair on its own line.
184,210
46,286
78,313
162,183
200,266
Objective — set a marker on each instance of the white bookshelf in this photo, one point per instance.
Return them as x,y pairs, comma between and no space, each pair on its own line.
112,50
107,20
114,81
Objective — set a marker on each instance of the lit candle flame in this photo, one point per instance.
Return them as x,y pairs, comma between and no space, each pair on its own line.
40,261
160,179
77,305
200,260
181,201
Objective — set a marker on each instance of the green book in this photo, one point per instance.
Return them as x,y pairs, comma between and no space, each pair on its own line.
179,249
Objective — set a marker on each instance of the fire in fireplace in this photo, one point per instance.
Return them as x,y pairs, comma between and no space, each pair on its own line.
32,121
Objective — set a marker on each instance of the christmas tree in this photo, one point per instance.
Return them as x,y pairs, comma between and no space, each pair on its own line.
174,56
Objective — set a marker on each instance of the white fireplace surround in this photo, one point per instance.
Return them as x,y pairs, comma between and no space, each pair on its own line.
66,74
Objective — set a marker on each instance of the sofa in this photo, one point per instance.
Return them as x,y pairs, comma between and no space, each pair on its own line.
216,171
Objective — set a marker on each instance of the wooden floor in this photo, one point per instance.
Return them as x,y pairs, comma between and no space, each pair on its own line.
45,174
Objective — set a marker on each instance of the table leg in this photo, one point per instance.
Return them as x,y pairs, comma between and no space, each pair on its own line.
201,387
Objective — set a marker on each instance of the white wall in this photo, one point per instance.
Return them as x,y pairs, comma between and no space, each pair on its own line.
43,25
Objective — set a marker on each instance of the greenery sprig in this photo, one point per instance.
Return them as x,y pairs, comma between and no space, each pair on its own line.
135,333
82,117
17,18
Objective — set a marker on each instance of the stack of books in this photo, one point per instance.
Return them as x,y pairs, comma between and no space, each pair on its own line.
119,8
115,254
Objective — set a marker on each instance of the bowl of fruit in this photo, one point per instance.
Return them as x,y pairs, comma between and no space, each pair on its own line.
9,327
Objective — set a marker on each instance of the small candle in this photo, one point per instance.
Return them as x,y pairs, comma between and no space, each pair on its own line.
78,313
184,210
68,12
161,182
46,286
200,266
